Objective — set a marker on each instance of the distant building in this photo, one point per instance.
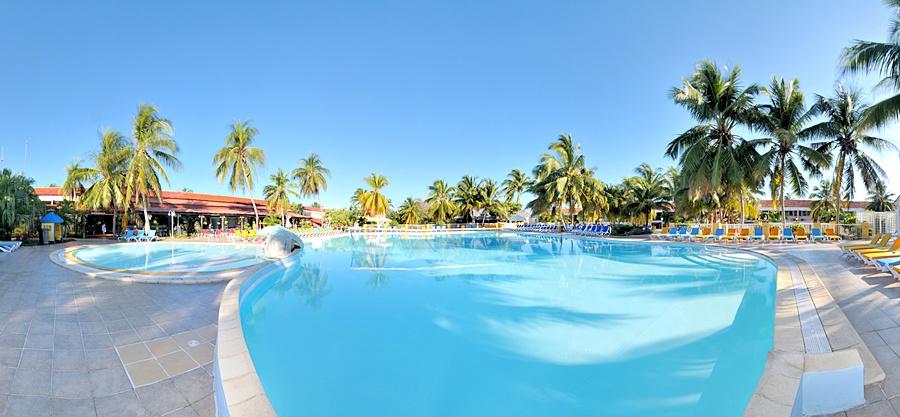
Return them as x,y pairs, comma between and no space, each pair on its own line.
209,211
799,210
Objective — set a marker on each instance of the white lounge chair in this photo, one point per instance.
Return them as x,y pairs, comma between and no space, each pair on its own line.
8,246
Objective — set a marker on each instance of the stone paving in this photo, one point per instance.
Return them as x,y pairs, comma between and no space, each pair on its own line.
871,300
62,335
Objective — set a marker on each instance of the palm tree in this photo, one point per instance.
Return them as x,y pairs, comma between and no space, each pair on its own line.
784,119
238,161
845,134
311,176
467,197
490,202
107,192
409,211
372,201
646,192
153,149
823,206
563,173
880,199
440,199
18,202
710,154
515,184
884,58
74,183
594,201
278,194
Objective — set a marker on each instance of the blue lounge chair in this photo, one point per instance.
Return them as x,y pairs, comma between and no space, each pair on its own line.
817,235
758,234
127,236
695,231
788,234
136,237
718,235
8,246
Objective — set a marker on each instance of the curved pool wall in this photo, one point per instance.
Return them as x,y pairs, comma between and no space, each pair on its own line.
162,262
563,344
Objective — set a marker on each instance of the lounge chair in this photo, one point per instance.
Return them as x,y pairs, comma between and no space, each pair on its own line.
705,233
895,271
9,246
150,236
744,234
136,237
800,234
127,236
719,235
886,264
863,254
695,231
817,235
774,233
662,233
831,235
757,234
788,234
731,234
876,242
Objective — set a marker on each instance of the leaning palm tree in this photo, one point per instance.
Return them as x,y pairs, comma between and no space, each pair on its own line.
409,211
238,161
784,118
153,148
710,154
373,202
845,134
75,178
565,172
883,58
107,192
278,195
880,199
311,176
515,184
440,199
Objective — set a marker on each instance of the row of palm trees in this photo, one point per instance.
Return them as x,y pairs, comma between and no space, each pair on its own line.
127,172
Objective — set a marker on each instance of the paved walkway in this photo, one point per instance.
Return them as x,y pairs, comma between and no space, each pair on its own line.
871,301
62,337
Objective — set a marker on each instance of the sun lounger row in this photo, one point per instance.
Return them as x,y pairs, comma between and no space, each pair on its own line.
591,230
9,246
756,233
882,252
542,228
140,236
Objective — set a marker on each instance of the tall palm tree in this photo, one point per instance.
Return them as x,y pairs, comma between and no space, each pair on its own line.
238,161
883,58
409,211
646,192
440,199
515,184
278,194
75,178
107,192
784,118
823,206
311,176
594,201
710,154
880,199
490,201
563,172
153,148
467,197
372,201
845,134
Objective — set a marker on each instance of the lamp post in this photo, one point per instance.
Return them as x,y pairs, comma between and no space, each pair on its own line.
171,223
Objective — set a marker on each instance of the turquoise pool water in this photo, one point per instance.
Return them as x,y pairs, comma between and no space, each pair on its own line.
496,325
169,256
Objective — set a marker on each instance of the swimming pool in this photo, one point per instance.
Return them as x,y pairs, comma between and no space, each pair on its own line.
167,257
506,324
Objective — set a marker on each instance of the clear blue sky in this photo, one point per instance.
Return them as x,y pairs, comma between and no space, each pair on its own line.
414,90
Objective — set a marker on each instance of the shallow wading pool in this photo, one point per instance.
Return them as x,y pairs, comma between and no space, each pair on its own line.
167,257
508,324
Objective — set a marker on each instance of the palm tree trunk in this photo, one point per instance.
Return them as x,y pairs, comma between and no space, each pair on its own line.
252,201
838,178
783,180
283,218
572,209
742,205
146,216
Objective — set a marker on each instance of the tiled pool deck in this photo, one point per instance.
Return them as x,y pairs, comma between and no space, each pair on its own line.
71,345
65,340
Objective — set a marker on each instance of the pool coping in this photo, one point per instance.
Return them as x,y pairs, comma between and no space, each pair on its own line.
64,258
239,391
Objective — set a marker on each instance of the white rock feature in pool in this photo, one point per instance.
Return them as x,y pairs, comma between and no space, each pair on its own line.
280,242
